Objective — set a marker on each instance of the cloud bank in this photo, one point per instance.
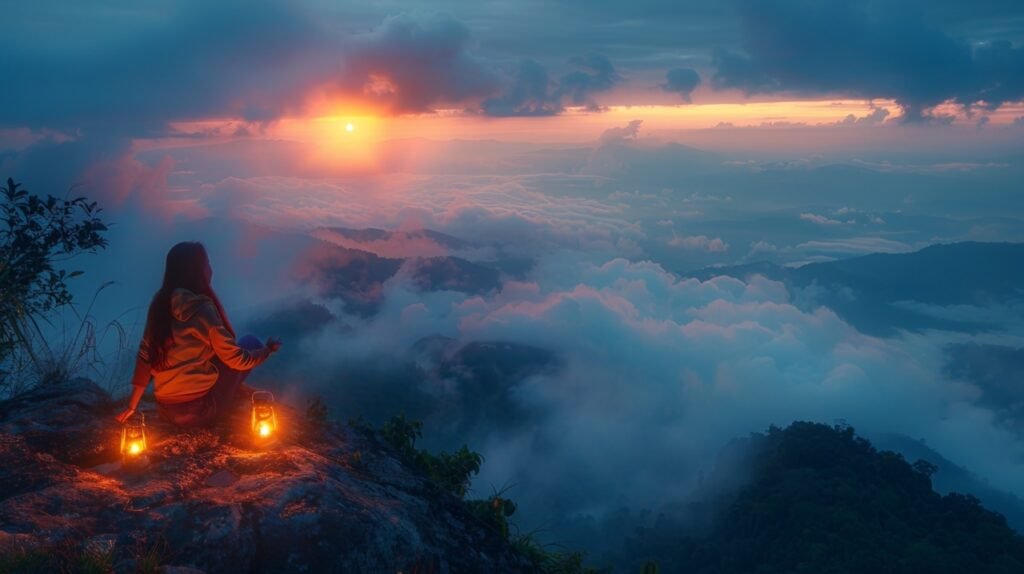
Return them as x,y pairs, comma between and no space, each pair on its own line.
866,49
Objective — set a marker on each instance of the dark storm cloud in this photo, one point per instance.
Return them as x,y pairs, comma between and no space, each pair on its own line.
127,77
412,66
681,81
121,73
133,67
644,36
530,92
595,74
246,58
528,95
255,60
866,49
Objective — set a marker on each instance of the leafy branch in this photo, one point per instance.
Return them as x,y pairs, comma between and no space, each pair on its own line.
36,235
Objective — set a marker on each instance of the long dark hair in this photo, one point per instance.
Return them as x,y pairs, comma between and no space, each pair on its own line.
186,268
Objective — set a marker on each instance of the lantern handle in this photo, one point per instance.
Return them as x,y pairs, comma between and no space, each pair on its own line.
139,414
264,396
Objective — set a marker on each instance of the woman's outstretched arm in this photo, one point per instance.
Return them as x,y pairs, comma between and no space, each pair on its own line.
140,380
225,346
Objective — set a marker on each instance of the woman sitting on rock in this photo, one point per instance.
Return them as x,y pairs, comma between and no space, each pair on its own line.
189,347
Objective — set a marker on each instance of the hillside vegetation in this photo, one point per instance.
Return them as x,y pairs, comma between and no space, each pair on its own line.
821,500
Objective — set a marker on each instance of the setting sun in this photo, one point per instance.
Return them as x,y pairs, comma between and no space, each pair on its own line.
335,143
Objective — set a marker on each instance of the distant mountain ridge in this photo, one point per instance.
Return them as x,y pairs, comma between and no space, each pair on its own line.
356,276
864,290
373,234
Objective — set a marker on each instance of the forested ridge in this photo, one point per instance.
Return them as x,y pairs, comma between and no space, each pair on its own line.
821,499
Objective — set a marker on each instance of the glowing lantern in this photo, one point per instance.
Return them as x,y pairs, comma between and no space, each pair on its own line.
264,421
133,441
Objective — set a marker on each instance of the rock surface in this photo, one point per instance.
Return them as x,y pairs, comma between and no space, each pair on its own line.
323,499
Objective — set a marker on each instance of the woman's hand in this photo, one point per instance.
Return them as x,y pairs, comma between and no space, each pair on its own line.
140,380
273,344
125,415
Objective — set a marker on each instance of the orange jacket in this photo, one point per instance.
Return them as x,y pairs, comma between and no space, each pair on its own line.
199,335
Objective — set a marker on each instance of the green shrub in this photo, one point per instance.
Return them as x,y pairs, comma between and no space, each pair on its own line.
451,471
37,236
359,424
401,433
151,555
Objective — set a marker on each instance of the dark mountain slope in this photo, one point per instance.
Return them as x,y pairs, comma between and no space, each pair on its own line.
943,274
819,500
357,277
373,234
870,292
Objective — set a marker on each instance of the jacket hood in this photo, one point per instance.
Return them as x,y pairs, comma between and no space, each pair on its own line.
185,303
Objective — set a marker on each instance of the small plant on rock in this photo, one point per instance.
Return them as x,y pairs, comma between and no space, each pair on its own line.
150,556
401,433
494,511
316,413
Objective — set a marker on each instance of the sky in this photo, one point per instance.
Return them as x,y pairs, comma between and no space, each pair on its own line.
587,167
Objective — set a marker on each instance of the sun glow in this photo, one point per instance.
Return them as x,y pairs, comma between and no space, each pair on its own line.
344,138
336,143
